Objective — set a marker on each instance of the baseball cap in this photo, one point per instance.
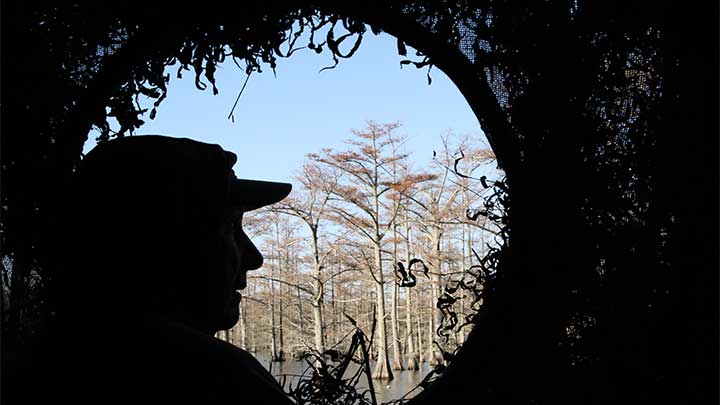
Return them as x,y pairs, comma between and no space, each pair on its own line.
147,167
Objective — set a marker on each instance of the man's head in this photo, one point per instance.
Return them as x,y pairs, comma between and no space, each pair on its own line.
155,225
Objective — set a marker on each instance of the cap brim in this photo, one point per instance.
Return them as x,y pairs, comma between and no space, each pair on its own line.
253,194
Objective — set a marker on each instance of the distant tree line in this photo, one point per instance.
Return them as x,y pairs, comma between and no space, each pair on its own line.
366,236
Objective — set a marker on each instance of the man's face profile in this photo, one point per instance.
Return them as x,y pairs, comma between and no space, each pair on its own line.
238,255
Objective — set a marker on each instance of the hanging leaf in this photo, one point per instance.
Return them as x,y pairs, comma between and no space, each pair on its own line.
402,50
406,279
415,261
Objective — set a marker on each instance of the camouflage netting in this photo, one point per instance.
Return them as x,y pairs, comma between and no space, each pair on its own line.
603,115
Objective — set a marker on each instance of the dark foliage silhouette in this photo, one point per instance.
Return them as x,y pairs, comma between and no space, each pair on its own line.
602,114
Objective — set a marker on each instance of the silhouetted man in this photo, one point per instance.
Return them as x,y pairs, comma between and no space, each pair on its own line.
153,254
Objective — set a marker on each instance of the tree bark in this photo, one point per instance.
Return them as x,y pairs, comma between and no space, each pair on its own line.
274,354
281,337
282,255
412,355
430,356
460,335
300,310
250,315
318,299
419,333
333,313
382,367
396,361
273,341
243,327
435,316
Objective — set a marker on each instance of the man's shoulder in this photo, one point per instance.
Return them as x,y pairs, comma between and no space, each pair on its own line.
224,367
176,336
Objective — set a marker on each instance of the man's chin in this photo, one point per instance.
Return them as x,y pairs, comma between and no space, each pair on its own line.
230,320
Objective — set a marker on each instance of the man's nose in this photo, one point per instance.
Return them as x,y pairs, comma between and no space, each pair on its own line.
251,259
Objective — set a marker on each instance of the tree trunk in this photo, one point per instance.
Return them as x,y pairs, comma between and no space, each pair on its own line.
460,335
300,311
274,355
396,361
431,349
319,343
242,327
281,337
419,332
333,313
412,355
382,367
318,299
372,307
251,314
435,316
280,255
273,342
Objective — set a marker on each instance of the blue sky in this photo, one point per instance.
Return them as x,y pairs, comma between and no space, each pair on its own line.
281,118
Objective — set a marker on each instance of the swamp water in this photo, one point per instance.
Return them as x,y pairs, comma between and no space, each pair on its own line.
404,381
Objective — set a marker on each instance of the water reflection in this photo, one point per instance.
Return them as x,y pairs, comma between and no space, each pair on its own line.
403,382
